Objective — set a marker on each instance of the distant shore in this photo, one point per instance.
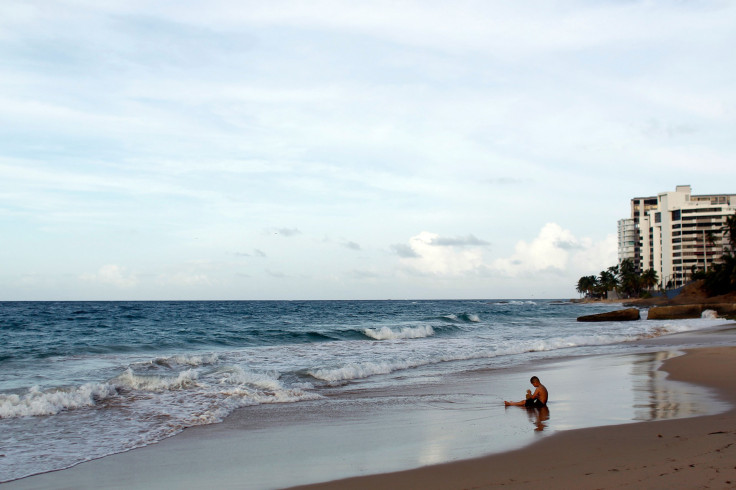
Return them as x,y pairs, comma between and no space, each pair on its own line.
692,294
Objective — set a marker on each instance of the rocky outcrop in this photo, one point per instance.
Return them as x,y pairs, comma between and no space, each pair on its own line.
676,312
627,315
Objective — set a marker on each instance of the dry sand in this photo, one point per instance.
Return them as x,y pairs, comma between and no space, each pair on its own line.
684,453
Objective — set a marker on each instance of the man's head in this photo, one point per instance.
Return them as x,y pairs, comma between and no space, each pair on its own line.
534,381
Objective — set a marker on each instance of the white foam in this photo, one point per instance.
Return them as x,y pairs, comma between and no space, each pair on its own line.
709,314
235,375
473,318
361,370
191,360
51,402
385,333
185,379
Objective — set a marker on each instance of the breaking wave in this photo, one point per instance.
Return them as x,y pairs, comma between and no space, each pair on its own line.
709,314
462,318
191,360
185,379
360,370
385,333
224,390
36,402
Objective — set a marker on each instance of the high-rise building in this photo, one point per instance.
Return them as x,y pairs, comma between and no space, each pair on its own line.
675,233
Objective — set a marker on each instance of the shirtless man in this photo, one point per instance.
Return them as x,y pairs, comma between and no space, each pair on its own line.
536,399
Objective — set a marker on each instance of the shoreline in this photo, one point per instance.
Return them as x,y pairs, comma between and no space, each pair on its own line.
360,433
681,453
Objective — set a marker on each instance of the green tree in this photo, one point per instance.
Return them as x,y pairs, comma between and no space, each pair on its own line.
587,285
649,279
608,280
629,280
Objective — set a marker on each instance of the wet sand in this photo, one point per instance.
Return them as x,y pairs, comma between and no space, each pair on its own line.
695,452
443,428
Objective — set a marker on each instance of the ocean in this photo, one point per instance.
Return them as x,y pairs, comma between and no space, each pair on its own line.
81,380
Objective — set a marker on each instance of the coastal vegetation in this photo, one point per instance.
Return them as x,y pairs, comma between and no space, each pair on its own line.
622,278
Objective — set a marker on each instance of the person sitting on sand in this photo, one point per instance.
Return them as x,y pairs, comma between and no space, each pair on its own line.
536,399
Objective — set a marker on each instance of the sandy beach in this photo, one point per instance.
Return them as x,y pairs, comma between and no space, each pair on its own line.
639,413
697,452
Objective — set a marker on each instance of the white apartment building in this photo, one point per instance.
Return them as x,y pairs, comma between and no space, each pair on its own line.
675,231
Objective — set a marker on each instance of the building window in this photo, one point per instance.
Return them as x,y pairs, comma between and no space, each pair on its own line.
657,217
676,215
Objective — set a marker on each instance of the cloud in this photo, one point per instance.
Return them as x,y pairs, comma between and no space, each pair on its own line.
287,232
113,275
405,251
556,249
256,253
452,258
351,245
467,241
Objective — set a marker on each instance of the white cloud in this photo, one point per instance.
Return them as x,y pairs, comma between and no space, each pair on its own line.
422,255
556,249
112,275
287,232
466,241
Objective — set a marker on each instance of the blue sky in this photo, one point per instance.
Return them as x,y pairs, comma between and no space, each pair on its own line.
347,150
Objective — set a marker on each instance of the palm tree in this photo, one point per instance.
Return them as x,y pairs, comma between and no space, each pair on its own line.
587,285
649,278
608,280
628,278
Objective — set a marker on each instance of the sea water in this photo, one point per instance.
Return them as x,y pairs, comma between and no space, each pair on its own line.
81,380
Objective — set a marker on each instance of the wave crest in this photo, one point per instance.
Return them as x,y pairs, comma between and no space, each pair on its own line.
462,317
182,360
385,333
51,402
709,314
185,379
359,370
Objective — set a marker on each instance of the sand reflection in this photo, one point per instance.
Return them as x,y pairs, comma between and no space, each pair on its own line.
538,417
621,389
658,398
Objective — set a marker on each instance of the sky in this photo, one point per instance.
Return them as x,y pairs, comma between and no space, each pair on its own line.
243,150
